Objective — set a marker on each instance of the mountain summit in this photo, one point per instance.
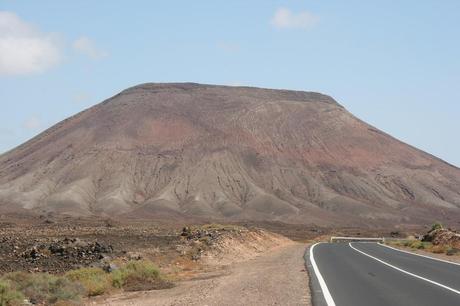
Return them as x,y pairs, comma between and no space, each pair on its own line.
234,153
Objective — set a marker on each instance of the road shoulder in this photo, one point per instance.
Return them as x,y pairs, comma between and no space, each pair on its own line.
317,294
453,259
277,277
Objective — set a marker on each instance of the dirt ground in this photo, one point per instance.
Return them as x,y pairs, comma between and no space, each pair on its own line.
63,245
210,264
40,246
277,277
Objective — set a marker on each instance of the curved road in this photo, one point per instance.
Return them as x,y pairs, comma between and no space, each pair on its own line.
366,274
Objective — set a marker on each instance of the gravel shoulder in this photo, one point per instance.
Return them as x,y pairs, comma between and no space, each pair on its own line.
277,277
453,259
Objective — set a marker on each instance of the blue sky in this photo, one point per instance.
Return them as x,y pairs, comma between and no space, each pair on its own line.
394,64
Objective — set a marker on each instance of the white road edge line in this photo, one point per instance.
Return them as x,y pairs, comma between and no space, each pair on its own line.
406,272
327,295
426,256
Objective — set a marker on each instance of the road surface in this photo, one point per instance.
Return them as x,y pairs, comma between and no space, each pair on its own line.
358,273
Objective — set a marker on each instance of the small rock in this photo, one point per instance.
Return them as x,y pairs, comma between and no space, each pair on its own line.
110,267
134,256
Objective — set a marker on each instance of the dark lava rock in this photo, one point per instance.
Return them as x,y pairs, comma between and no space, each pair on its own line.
66,248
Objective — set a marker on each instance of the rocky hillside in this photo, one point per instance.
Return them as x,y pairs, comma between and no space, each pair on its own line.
235,153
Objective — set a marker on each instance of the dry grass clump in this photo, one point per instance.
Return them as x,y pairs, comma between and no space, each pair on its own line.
43,288
95,280
438,249
216,226
139,275
9,296
444,249
412,243
426,246
16,288
417,244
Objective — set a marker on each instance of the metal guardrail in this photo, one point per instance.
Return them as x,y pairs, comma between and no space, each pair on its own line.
362,239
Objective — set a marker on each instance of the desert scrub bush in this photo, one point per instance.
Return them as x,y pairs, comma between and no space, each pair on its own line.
43,288
139,275
417,245
399,242
427,245
95,280
438,249
406,243
9,296
436,226
451,251
216,226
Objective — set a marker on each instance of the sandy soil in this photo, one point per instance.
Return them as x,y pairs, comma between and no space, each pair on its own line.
274,278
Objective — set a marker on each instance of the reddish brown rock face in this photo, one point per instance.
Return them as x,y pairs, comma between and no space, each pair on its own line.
216,152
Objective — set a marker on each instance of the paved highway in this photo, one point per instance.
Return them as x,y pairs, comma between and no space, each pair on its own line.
369,274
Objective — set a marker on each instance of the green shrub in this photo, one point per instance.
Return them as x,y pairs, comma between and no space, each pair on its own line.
417,245
436,226
46,289
427,245
9,296
94,280
407,243
142,268
450,251
138,275
43,288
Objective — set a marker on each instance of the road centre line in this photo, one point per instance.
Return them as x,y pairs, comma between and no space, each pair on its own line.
406,272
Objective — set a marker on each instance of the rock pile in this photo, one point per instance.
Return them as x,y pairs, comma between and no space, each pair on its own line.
443,236
198,240
200,233
72,249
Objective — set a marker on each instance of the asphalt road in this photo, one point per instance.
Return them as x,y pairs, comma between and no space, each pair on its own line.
368,274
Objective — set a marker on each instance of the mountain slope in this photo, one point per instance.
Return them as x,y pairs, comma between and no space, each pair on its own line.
203,151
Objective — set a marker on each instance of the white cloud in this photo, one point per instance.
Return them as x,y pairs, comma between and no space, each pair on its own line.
32,123
23,48
87,47
285,19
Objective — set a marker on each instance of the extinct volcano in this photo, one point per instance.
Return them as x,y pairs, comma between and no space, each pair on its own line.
235,153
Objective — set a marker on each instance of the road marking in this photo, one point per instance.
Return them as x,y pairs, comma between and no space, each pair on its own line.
406,272
327,295
426,256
